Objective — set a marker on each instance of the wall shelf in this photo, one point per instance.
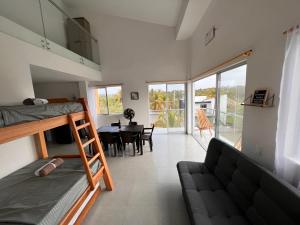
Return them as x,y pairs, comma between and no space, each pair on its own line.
268,104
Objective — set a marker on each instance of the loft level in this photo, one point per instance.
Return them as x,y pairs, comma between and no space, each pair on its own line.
47,25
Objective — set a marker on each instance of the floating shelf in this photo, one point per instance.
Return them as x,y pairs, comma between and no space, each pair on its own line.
269,103
262,106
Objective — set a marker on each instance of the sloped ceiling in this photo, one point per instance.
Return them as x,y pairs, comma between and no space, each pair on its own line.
163,12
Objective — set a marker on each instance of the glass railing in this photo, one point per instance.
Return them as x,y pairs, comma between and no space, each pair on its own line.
171,118
22,19
230,126
50,25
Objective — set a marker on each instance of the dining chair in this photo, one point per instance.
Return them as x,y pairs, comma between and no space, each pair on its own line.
118,124
128,138
109,139
147,136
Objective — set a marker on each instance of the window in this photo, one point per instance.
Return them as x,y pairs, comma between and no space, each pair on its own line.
167,107
109,100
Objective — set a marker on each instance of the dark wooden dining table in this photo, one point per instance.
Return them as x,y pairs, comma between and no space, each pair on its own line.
137,129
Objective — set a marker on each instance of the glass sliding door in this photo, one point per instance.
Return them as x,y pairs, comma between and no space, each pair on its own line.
232,93
158,106
217,106
176,107
204,109
167,107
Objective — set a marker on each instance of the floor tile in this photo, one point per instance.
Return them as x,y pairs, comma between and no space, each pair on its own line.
148,190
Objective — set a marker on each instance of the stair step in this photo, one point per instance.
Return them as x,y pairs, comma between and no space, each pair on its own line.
83,126
98,174
77,116
93,159
88,142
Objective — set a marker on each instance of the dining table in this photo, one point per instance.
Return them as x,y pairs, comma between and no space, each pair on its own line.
136,129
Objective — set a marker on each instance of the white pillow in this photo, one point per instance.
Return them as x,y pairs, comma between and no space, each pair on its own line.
40,101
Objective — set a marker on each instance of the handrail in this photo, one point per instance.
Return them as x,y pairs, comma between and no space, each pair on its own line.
74,21
214,110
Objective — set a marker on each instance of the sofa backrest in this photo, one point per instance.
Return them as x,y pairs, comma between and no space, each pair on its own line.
264,198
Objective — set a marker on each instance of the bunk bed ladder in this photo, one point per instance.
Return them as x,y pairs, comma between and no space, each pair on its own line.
97,148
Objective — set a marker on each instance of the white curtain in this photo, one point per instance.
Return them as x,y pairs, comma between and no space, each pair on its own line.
287,157
92,103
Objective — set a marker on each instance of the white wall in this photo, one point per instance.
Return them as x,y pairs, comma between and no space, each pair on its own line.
243,25
134,52
16,85
68,90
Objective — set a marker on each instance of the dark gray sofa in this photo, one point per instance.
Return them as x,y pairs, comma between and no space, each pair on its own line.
230,189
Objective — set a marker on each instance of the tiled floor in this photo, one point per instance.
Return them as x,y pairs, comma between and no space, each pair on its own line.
147,187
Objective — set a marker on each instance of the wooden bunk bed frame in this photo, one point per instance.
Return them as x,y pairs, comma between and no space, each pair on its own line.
37,129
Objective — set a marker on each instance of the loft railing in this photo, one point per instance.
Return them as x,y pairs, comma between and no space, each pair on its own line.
51,25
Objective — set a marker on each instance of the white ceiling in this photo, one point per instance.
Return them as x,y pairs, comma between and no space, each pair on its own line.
189,19
163,12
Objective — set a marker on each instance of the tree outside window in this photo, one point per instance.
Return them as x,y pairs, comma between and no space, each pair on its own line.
109,100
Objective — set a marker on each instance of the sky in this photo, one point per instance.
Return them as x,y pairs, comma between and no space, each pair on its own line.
110,90
230,78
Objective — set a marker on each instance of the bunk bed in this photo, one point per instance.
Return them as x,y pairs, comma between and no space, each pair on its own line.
66,195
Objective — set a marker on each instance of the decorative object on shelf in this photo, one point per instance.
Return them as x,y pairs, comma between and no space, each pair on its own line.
260,98
134,95
129,114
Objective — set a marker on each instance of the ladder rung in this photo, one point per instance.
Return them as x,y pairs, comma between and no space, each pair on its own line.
98,174
77,116
83,126
93,159
88,142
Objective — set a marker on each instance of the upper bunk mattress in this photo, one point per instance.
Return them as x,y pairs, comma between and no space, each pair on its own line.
10,115
28,199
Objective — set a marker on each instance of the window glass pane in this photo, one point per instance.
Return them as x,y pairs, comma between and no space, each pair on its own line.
176,106
232,93
176,96
157,97
101,103
204,109
114,98
157,105
167,107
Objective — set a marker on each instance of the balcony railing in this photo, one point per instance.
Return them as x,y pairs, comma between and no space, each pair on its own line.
49,24
230,126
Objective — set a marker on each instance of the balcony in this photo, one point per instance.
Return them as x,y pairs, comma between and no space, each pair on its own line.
50,25
229,128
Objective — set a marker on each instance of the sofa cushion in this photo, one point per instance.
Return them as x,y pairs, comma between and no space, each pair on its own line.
195,176
208,202
276,202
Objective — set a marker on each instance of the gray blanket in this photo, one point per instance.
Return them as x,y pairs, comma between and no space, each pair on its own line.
10,115
27,199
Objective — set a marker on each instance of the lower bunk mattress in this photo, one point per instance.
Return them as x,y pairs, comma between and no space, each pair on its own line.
28,199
